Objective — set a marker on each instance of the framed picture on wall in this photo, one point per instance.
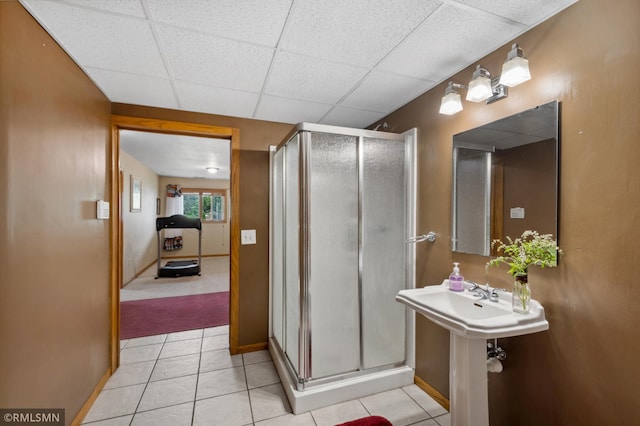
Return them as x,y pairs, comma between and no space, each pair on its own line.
157,206
135,202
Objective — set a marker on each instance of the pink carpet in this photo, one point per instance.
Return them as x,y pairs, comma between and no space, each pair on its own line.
148,317
368,421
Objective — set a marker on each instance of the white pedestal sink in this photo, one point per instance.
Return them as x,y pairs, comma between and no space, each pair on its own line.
471,321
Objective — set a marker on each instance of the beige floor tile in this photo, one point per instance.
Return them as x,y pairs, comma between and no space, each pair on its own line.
182,347
168,392
268,402
130,374
184,335
396,406
118,421
304,419
219,360
214,343
178,366
339,413
115,402
221,382
261,374
229,410
147,340
424,400
139,354
444,420
176,415
255,357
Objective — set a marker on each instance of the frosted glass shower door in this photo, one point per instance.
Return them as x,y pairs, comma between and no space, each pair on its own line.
332,295
383,223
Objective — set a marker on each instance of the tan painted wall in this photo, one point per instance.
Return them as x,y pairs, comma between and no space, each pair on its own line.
585,369
54,288
139,240
215,236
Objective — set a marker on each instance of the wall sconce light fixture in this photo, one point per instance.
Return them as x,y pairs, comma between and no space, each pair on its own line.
515,70
212,170
482,87
451,102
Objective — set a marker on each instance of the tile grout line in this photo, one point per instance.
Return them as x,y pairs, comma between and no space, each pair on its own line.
146,385
246,382
195,394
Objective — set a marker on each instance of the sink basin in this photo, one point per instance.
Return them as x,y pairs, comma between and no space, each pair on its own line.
465,314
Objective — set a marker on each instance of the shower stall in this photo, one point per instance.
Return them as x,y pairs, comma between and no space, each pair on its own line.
342,208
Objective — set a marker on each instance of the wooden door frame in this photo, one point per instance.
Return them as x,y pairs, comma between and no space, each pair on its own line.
118,123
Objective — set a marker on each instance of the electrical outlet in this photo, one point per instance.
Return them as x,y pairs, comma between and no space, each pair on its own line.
248,236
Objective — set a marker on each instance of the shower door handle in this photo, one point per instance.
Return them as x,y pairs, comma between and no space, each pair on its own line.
431,237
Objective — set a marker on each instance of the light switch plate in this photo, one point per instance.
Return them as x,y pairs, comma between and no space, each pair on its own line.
102,209
247,236
517,213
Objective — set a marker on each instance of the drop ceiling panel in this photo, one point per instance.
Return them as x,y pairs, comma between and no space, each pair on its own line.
214,100
311,79
135,89
200,58
385,92
353,32
350,117
292,111
258,22
526,12
102,40
449,40
124,7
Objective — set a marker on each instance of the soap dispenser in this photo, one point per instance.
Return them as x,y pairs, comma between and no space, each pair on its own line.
456,281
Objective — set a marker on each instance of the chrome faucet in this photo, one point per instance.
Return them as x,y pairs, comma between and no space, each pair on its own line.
484,293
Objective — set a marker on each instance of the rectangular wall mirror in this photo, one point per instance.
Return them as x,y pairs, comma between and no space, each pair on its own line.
505,179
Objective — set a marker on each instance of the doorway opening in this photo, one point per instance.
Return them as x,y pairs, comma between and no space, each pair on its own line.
119,181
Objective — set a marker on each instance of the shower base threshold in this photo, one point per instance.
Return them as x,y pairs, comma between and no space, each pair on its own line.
341,390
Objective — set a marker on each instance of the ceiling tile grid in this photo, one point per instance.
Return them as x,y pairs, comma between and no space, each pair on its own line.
215,61
450,40
102,40
285,110
135,89
331,61
350,117
215,100
353,32
311,78
257,22
383,92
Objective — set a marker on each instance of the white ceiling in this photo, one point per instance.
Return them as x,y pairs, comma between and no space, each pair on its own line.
339,62
177,155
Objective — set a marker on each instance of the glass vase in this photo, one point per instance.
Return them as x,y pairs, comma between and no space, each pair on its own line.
521,300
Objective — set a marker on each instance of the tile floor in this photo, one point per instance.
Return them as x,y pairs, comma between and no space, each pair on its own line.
189,378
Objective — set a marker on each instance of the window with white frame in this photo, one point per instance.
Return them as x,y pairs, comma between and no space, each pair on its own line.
207,204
